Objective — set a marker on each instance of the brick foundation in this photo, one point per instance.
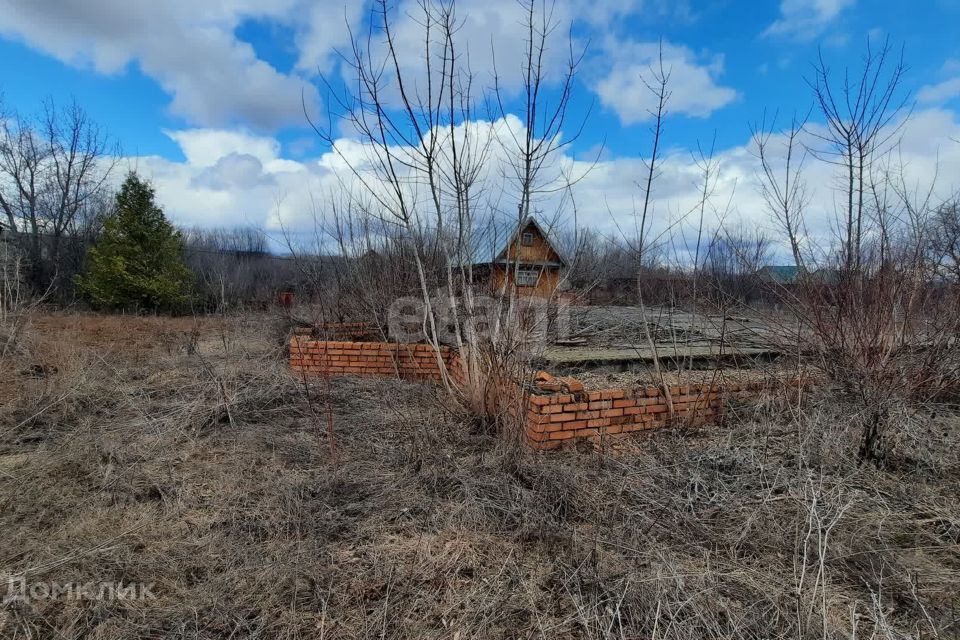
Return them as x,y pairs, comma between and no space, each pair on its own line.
323,358
549,419
552,419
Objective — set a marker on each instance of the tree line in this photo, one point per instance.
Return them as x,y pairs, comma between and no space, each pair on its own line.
68,234
63,217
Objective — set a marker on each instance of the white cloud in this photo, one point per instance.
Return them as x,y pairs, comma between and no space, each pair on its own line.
235,171
948,89
940,92
248,184
693,85
217,80
806,19
204,147
188,47
491,36
236,191
327,31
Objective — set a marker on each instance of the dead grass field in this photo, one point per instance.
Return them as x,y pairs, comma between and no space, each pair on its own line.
180,452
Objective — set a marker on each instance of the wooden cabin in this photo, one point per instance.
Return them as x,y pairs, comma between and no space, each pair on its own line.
528,261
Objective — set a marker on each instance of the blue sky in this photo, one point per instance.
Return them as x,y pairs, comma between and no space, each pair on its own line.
206,97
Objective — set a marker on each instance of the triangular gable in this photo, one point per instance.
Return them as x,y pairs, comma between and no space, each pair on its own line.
531,221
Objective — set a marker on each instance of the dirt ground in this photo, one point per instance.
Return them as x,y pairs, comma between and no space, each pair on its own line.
181,454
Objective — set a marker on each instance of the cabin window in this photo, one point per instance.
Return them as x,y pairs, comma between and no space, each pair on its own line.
527,277
526,239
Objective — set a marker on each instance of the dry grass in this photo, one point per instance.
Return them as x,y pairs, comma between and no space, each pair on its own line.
182,453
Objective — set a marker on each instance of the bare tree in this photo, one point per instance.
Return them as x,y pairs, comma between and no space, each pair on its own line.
946,239
734,255
783,188
872,319
53,171
658,85
532,166
543,120
234,267
862,117
423,155
737,251
424,176
22,160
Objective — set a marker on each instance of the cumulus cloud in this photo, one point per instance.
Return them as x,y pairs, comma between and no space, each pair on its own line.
235,171
230,178
806,19
204,147
327,31
694,88
940,92
249,184
943,91
491,36
188,47
216,80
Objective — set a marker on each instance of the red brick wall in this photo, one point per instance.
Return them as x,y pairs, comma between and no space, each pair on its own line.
550,420
317,357
455,368
553,419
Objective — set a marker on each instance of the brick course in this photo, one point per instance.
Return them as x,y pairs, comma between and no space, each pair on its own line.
549,419
327,358
614,411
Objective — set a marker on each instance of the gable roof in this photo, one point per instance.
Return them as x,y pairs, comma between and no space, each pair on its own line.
489,250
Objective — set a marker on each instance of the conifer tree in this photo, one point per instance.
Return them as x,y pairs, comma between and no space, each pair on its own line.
138,260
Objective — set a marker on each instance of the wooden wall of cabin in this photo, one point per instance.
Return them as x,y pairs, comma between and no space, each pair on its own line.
546,285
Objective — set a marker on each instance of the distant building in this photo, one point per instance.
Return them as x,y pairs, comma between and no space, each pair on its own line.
528,261
783,274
